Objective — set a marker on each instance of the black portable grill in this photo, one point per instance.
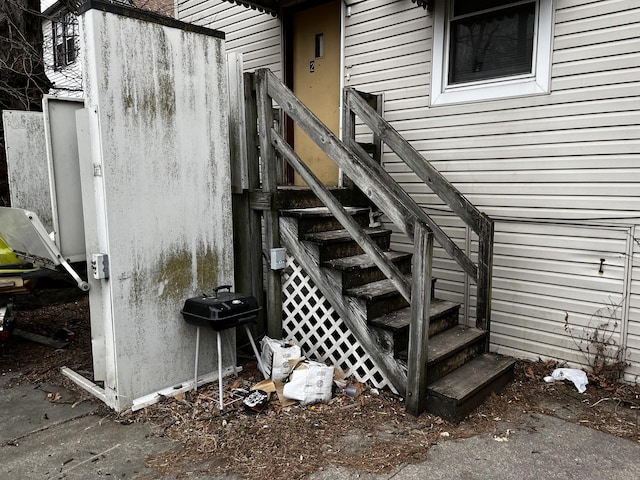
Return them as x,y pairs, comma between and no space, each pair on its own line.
221,311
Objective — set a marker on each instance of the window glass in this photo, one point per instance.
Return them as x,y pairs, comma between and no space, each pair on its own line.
64,40
494,44
490,49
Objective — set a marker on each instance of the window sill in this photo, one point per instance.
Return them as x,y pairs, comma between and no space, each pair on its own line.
494,91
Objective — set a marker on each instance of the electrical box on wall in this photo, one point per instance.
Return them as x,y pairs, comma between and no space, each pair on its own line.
278,258
100,265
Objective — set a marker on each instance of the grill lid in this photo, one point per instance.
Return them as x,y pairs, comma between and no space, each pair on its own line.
221,310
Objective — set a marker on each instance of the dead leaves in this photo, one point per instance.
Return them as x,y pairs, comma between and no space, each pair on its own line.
54,397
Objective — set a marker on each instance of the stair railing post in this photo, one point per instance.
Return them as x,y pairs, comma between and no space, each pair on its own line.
270,215
348,128
416,394
485,268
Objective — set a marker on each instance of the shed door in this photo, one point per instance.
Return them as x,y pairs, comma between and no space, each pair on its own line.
316,80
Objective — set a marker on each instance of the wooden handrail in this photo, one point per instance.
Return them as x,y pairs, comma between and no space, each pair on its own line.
479,222
370,177
423,169
335,207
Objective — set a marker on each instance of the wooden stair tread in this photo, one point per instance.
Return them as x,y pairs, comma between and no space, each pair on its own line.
375,290
340,236
452,340
357,262
471,377
400,319
319,212
291,196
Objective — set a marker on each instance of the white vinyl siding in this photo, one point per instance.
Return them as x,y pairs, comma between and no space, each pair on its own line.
568,155
568,160
546,273
254,34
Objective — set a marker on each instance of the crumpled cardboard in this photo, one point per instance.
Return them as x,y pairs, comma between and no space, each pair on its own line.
275,357
274,386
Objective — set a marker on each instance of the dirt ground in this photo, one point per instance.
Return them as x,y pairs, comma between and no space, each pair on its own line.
371,432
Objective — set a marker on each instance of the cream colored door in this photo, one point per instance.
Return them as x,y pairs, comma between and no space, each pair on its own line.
316,81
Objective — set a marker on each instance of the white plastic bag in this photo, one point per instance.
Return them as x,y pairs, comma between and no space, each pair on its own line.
578,377
310,382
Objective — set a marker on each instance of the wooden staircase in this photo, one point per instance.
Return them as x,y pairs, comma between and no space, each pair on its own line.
459,372
447,368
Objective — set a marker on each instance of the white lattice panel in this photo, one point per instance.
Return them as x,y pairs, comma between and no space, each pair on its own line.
312,323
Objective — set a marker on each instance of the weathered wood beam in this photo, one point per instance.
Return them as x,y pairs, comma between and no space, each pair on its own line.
371,178
416,393
253,228
485,275
251,129
425,171
263,201
269,185
415,212
237,126
355,230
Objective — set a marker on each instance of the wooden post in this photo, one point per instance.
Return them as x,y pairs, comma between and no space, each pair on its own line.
485,272
270,216
237,126
416,394
247,228
348,129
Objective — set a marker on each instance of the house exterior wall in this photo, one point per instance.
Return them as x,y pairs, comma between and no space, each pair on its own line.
256,35
558,172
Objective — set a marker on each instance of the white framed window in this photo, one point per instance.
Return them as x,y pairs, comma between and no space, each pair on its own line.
64,32
490,49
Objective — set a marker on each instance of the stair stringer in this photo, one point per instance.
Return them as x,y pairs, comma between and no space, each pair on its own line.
346,307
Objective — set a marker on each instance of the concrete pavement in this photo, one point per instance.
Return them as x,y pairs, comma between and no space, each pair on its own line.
46,434
543,447
52,437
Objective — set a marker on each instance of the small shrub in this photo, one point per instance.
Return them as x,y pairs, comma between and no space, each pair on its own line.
602,353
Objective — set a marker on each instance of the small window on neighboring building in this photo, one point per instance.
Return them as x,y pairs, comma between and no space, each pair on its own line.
65,31
490,49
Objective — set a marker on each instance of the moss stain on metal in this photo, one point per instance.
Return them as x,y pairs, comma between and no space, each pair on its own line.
175,271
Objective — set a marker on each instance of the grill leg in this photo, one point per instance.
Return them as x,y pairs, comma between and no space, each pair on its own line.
255,351
220,372
195,373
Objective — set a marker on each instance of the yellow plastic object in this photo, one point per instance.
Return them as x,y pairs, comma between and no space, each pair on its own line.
10,263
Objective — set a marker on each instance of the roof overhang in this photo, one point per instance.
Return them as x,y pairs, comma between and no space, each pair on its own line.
273,6
269,6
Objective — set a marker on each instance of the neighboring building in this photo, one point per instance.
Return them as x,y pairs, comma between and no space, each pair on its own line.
60,35
61,46
540,129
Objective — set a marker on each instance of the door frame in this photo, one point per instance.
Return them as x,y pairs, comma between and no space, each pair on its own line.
287,13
